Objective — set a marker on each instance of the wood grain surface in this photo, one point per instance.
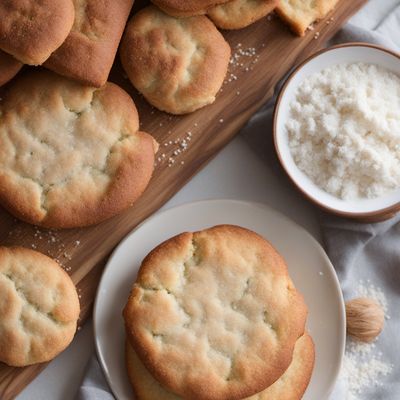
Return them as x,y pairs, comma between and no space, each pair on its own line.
263,53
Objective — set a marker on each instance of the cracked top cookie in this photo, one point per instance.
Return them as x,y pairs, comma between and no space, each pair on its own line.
290,386
179,65
70,155
237,14
214,315
39,307
31,30
186,8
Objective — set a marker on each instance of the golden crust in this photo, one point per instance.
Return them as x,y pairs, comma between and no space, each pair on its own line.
214,314
179,65
31,30
89,51
294,382
39,307
237,14
290,386
300,14
186,8
70,155
9,67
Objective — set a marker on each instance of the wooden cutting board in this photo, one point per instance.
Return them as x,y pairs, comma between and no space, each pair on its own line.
263,53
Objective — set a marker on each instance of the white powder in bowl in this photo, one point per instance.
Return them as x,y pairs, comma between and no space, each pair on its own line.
344,130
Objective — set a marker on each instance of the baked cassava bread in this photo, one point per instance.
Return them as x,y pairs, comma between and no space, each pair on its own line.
70,155
290,386
300,14
30,30
237,14
39,307
179,65
88,52
214,315
186,8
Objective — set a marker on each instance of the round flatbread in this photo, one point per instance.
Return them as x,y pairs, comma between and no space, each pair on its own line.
70,155
39,307
214,314
179,65
300,14
89,51
9,67
237,14
291,386
186,8
31,30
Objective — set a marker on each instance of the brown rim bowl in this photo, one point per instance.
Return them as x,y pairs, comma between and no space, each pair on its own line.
365,210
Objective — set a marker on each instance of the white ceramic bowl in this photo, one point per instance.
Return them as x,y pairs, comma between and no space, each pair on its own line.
363,209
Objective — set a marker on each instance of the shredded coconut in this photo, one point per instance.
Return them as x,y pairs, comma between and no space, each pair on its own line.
364,365
363,368
344,130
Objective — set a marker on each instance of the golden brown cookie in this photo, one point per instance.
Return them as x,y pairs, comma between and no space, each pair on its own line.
214,314
70,155
9,67
300,14
237,14
89,50
290,386
186,8
39,307
179,65
31,30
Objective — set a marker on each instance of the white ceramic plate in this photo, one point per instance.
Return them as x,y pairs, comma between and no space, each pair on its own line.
309,267
342,54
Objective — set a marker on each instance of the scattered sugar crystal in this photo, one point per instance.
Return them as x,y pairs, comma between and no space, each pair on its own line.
363,368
